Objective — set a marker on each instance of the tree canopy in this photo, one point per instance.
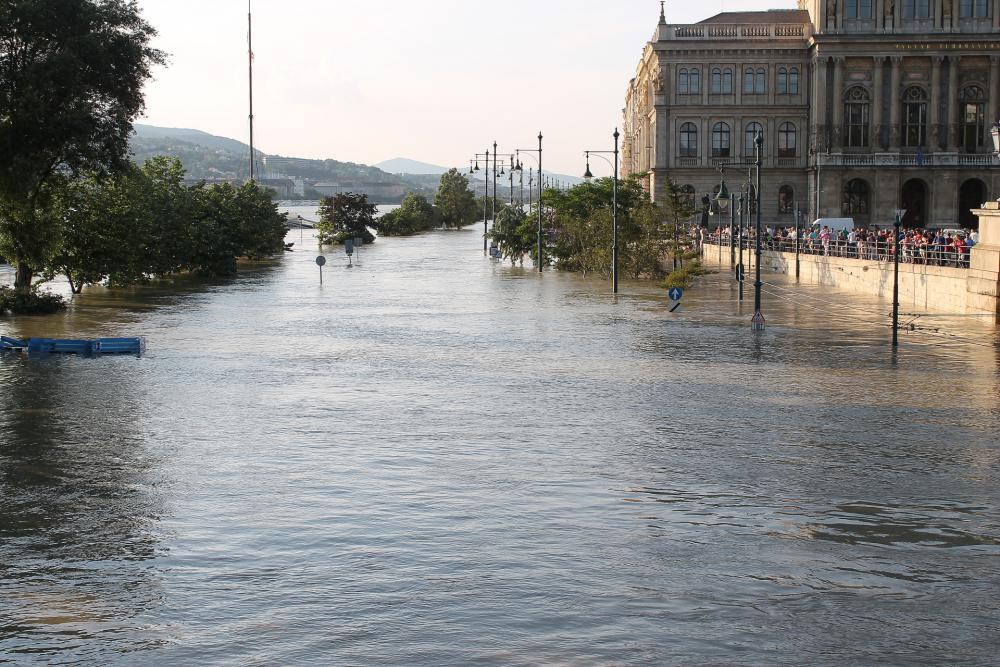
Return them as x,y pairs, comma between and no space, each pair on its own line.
346,216
71,79
415,215
455,202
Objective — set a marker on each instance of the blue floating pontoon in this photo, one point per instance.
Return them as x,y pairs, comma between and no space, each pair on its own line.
86,348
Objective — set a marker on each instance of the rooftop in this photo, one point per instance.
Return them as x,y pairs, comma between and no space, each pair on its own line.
767,17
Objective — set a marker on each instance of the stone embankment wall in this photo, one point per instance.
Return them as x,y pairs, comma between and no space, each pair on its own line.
921,287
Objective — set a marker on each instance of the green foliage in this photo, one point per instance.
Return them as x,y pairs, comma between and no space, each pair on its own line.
683,276
513,233
582,220
346,216
455,202
71,83
581,226
414,216
29,302
142,223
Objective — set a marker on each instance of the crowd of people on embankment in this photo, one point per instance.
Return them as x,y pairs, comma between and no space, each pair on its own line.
938,247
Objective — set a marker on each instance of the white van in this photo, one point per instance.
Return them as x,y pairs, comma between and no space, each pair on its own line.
834,224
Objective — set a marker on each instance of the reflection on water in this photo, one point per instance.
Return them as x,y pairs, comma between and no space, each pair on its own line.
435,459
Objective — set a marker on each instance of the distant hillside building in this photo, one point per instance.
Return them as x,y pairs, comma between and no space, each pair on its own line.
373,190
866,106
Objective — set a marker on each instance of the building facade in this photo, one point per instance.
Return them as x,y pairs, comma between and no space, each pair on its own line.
865,106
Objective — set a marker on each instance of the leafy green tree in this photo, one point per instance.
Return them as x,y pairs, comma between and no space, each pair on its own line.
511,235
582,222
415,215
346,216
105,224
455,202
679,208
71,78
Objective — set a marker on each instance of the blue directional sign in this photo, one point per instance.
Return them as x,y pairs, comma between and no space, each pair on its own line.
675,293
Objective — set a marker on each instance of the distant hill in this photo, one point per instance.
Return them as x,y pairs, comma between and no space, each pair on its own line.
402,165
191,136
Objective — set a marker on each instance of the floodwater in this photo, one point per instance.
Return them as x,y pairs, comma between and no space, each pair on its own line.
435,459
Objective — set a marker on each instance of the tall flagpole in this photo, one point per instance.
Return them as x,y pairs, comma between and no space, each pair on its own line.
250,61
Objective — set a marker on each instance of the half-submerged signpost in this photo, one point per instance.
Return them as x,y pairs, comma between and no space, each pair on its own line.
675,294
320,261
349,249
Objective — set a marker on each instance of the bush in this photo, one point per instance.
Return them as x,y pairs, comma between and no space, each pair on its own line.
30,303
683,276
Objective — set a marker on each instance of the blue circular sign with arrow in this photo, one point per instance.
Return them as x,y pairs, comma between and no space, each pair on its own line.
675,293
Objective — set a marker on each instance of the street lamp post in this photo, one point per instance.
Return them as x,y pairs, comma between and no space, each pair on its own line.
758,318
541,181
486,196
897,223
739,241
723,200
614,207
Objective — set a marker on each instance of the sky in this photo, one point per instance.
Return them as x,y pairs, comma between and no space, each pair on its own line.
431,80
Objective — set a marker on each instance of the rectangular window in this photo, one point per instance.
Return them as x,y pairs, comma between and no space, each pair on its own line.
908,7
864,9
965,8
793,81
982,9
851,9
923,9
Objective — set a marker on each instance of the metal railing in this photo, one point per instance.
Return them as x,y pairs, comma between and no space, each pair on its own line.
879,250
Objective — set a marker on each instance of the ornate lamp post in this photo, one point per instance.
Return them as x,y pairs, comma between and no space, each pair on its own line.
529,151
723,201
758,319
614,206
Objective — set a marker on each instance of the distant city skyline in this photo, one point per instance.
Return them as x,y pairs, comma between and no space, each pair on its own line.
435,82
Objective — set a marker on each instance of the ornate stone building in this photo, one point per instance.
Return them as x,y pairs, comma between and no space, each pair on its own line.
866,106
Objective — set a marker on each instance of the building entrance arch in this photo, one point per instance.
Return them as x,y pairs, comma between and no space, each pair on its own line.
913,198
971,195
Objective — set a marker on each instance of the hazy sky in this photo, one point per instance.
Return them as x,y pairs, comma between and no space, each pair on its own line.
431,80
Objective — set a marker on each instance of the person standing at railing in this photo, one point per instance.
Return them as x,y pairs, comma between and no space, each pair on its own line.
852,243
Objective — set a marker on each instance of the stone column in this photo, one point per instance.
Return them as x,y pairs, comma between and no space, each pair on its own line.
983,281
934,112
993,92
894,93
819,105
878,85
953,104
838,101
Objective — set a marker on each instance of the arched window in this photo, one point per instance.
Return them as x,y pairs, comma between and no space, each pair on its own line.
782,81
914,117
727,81
858,9
748,81
786,140
689,140
972,107
695,81
716,81
720,140
793,81
786,199
682,82
916,9
855,200
749,132
968,9
856,117
758,83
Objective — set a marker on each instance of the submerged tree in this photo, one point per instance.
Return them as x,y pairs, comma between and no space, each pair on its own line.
346,216
71,78
455,202
414,216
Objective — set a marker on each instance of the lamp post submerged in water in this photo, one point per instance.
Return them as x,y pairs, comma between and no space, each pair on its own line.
614,206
